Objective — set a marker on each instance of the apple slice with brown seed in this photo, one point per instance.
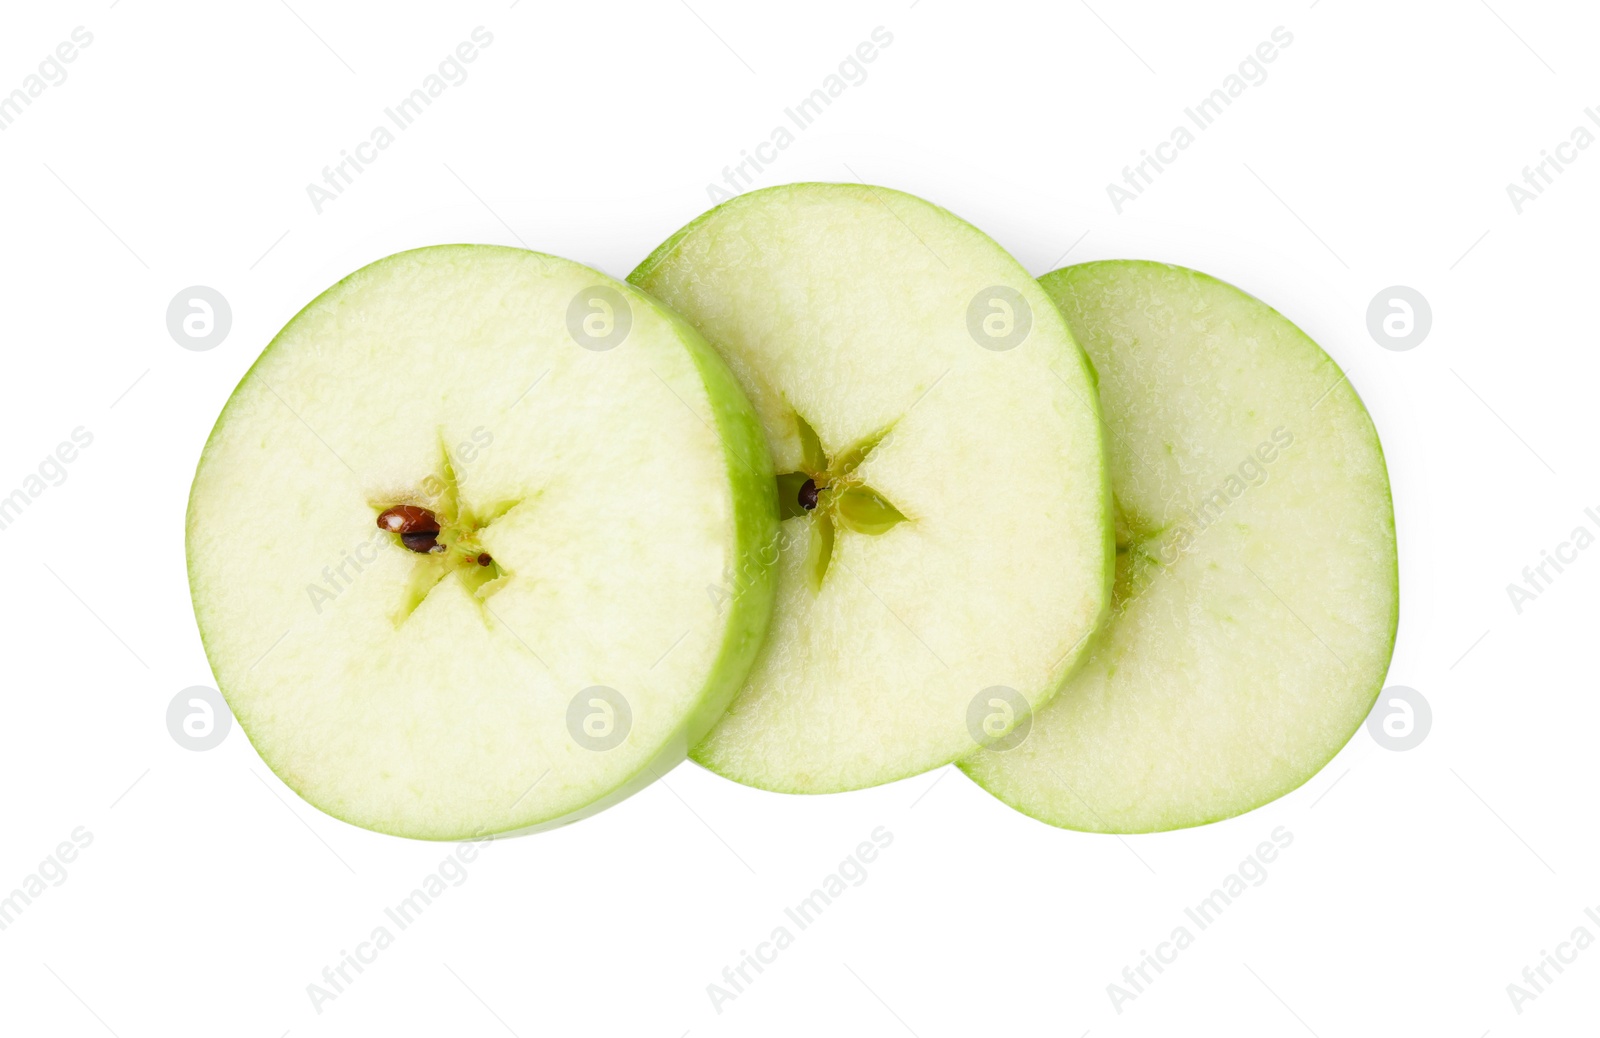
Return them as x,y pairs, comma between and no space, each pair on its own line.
940,469
429,555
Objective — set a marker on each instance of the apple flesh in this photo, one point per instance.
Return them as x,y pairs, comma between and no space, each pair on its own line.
1256,595
451,540
940,469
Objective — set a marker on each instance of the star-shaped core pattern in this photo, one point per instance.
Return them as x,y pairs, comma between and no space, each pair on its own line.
828,494
446,539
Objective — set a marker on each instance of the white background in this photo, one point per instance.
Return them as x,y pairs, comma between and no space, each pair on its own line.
1376,153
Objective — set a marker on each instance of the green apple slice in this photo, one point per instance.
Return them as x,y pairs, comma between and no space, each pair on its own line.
1257,591
938,451
591,468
